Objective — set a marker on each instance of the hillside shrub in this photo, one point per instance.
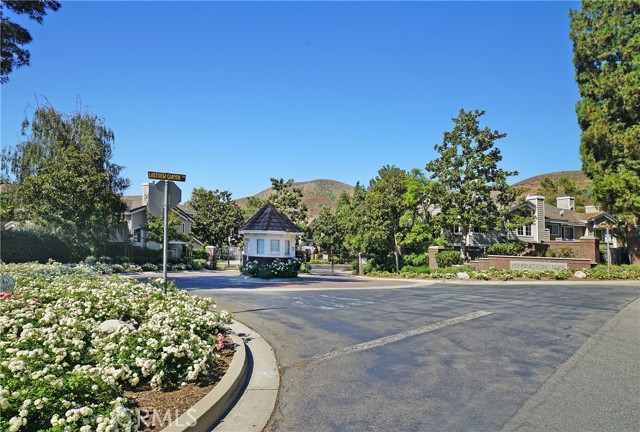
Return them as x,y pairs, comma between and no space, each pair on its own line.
510,249
448,258
564,252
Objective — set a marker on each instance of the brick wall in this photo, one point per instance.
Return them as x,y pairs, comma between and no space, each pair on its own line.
588,248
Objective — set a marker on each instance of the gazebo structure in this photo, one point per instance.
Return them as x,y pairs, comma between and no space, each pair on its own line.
269,235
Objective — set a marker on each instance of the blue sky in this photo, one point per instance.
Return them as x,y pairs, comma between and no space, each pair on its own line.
233,93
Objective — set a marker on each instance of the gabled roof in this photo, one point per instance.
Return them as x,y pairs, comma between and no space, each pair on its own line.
557,213
270,219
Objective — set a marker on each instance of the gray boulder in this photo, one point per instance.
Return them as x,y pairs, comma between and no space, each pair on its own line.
463,276
580,274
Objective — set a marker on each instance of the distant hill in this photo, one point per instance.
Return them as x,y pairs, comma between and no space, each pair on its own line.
315,194
532,185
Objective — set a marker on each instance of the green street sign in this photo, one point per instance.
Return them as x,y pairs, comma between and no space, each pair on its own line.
167,176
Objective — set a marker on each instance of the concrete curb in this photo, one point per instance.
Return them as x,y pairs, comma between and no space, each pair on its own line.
254,408
208,410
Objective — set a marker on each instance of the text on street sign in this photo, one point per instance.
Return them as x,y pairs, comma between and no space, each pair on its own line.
167,176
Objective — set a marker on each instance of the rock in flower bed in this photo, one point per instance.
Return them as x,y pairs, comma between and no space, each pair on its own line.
59,371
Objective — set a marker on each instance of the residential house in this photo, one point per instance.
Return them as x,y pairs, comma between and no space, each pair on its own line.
136,218
555,226
563,223
269,235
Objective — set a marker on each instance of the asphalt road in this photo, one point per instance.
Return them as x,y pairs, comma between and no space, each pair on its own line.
443,357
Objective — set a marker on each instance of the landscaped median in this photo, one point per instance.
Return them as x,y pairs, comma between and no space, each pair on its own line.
600,272
73,341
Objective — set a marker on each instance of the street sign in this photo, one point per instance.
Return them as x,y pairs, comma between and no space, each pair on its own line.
607,238
156,197
154,175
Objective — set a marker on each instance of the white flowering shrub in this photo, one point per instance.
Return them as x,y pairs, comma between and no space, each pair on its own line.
276,269
60,372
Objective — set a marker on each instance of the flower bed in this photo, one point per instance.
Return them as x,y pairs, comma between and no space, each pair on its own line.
59,371
628,272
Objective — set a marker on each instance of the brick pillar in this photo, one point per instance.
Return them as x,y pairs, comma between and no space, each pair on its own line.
590,248
433,251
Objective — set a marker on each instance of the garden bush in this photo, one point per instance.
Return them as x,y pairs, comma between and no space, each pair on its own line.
61,372
511,249
277,269
448,258
416,260
564,252
29,245
417,270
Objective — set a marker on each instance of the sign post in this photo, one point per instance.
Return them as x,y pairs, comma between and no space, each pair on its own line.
166,178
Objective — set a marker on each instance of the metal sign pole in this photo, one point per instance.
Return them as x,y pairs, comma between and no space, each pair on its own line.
607,238
165,241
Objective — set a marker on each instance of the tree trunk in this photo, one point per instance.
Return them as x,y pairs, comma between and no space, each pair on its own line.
331,257
633,243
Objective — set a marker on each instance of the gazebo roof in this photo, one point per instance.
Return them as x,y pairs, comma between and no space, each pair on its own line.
270,219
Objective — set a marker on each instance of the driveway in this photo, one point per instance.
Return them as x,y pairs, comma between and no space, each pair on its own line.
358,354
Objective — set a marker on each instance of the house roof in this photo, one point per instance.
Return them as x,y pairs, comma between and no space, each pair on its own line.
270,219
557,213
134,202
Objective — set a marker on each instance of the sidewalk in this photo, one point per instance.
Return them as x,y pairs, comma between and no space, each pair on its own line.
597,389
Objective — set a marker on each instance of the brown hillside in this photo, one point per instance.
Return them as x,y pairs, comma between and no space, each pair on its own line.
532,185
315,194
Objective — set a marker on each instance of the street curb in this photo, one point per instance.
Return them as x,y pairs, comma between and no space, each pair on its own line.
253,410
214,405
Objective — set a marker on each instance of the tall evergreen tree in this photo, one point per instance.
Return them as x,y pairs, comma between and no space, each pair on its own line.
606,48
468,171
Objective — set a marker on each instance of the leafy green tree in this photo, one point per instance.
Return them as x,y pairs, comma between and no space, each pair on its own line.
15,37
217,220
327,233
606,48
155,228
253,205
419,219
287,199
562,187
468,171
386,204
65,179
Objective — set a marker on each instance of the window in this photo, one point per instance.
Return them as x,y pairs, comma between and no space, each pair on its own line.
287,247
554,229
260,246
455,229
274,246
137,235
567,233
524,230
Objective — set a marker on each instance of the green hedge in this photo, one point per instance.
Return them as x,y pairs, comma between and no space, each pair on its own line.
448,258
510,249
416,260
29,245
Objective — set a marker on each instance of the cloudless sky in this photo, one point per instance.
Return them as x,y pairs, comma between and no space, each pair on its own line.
233,93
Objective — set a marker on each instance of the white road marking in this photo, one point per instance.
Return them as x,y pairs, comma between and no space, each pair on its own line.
397,337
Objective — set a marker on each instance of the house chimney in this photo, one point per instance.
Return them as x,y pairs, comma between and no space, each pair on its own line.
591,209
567,203
145,193
538,227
